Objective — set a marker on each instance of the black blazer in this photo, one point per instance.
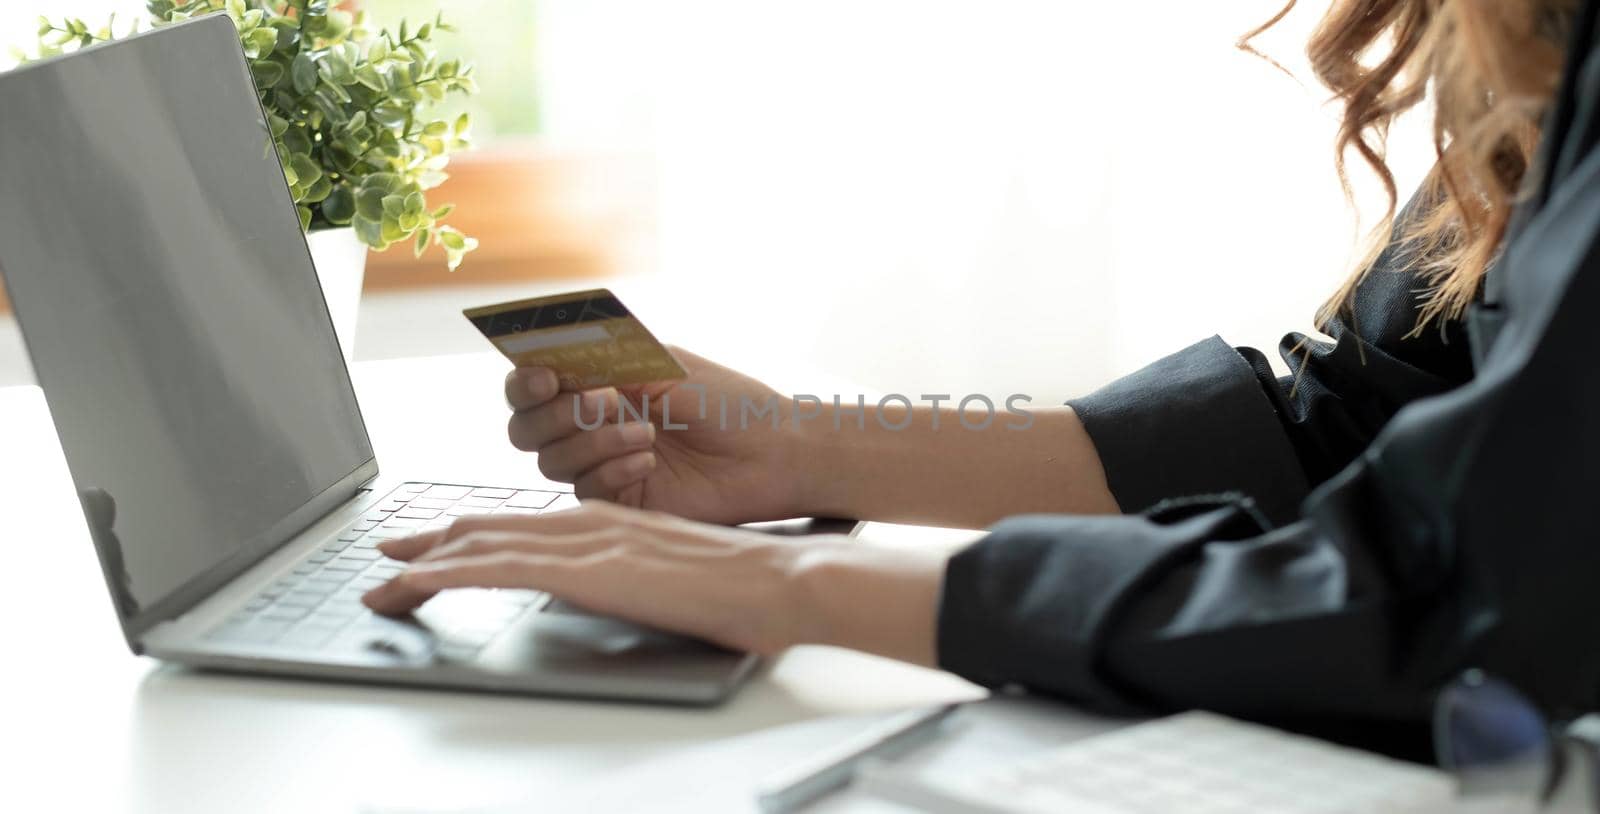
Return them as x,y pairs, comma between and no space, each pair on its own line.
1325,555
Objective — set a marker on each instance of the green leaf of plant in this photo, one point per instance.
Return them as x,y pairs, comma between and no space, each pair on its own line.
323,103
305,217
389,182
304,73
339,69
389,114
369,204
262,40
451,239
267,75
421,243
394,206
304,169
340,206
369,231
444,211
319,190
369,76
45,26
416,204
235,8
339,96
296,140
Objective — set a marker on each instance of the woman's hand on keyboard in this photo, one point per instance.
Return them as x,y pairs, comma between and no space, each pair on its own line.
689,457
738,588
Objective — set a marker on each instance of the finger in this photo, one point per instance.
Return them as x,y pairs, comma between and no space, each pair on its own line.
592,515
409,548
610,478
529,387
558,418
421,582
480,544
569,457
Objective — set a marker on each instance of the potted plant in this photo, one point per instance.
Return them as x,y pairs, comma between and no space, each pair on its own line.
348,108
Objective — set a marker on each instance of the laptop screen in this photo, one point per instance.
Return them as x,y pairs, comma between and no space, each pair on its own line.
154,258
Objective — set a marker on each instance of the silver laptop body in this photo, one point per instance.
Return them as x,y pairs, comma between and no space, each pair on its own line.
154,259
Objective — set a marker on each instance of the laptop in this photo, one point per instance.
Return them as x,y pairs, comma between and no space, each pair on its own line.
156,266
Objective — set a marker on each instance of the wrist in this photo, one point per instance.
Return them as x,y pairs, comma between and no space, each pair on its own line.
823,462
849,594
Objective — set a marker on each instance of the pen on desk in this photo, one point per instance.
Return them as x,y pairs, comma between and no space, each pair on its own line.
806,782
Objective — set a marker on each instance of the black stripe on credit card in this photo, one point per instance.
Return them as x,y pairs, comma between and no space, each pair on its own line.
550,315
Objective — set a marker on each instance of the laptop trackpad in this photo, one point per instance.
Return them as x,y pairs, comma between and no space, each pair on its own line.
566,637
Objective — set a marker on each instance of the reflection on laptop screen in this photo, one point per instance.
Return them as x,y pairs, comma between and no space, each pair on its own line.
153,256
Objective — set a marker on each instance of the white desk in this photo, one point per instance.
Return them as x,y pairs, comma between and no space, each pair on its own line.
89,727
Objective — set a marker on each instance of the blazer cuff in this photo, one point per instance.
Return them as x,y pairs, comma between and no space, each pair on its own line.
1036,602
1196,422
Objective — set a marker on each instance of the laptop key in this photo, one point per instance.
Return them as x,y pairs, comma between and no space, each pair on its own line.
346,564
447,492
501,494
419,514
277,589
335,577
480,503
361,555
368,583
532,499
261,631
430,503
413,487
284,613
562,503
365,525
336,546
300,599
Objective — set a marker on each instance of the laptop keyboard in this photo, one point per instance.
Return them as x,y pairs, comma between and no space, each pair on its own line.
317,606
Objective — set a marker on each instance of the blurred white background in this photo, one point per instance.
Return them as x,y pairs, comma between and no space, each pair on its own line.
1007,196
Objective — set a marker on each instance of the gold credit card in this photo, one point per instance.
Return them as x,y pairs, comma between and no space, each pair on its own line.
587,337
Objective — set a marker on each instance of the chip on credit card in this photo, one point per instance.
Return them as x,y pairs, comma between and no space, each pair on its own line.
589,338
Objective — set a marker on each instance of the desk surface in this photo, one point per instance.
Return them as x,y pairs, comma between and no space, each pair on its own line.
92,728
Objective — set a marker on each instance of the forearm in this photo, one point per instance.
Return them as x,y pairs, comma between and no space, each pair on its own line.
876,600
926,466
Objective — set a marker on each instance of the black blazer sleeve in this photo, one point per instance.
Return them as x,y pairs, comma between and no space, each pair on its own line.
1212,418
1464,535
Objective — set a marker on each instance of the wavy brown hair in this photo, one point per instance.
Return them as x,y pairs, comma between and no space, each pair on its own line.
1489,68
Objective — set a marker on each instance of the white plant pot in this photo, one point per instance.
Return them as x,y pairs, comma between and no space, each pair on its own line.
341,261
